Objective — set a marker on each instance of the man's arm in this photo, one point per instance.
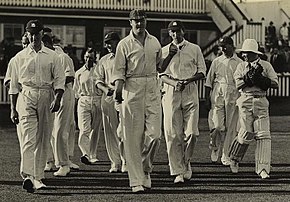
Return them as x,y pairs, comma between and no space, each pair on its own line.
178,85
172,51
118,92
106,89
196,77
55,105
14,114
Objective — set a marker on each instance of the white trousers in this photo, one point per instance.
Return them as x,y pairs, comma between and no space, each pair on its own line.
63,131
35,124
110,124
181,115
254,118
90,124
141,125
225,114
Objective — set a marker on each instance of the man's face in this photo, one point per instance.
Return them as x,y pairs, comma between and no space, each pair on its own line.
35,38
24,41
249,56
138,26
89,59
111,46
176,35
227,49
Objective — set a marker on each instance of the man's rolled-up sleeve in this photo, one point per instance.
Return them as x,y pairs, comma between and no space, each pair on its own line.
119,69
58,74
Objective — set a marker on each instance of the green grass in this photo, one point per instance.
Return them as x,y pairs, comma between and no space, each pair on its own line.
210,182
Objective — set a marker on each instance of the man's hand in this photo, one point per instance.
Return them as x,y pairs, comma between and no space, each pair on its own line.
55,105
14,116
172,49
179,86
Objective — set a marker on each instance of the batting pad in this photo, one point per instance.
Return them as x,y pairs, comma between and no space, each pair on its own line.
263,155
237,150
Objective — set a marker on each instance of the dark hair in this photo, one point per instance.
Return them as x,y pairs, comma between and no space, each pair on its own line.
91,50
47,39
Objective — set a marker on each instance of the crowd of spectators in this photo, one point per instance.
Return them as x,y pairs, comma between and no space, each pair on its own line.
277,46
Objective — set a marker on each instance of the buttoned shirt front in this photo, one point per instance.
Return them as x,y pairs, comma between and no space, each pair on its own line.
85,81
222,71
40,69
104,71
187,62
135,60
243,68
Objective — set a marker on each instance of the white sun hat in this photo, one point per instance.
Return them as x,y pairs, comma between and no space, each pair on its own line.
250,45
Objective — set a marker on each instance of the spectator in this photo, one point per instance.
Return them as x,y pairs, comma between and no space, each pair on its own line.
284,35
271,35
278,61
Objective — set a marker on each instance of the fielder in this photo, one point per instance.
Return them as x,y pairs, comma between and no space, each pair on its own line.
63,133
89,108
114,144
220,83
135,76
32,101
180,101
253,78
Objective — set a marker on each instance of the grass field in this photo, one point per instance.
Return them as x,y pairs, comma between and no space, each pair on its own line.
210,182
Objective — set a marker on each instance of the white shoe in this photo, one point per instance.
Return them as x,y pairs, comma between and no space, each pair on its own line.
38,184
214,156
188,173
73,166
263,174
179,179
28,184
234,166
124,168
113,170
147,181
49,166
225,160
94,160
137,189
62,172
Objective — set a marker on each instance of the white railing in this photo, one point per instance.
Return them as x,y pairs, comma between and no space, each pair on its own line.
282,91
175,6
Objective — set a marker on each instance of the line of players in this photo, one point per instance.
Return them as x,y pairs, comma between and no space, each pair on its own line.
124,88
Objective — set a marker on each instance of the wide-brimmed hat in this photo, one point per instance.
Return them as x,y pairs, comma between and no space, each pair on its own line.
250,45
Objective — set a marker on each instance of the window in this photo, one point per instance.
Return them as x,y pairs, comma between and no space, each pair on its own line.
14,31
74,35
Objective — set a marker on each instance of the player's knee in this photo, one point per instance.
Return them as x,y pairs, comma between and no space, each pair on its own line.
245,137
